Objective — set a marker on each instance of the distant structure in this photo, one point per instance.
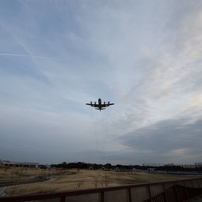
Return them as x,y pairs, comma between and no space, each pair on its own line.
19,164
150,169
91,168
152,164
169,164
120,169
198,164
117,169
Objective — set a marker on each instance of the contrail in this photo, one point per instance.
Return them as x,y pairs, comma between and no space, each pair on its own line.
33,56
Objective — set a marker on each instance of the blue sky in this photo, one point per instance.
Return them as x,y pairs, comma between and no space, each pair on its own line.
145,56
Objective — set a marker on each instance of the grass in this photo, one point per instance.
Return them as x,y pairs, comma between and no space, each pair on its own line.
136,178
21,172
71,182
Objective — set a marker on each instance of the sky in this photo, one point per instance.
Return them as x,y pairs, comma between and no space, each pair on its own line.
144,56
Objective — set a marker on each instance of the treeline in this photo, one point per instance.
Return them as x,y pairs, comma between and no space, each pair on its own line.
82,165
168,168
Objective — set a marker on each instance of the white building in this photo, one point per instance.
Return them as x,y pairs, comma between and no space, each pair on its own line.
19,164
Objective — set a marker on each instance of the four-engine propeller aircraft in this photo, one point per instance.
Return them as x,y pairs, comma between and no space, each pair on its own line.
100,106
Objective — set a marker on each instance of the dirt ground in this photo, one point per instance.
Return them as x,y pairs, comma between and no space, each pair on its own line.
86,179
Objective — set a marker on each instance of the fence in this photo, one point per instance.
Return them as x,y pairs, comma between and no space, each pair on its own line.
169,191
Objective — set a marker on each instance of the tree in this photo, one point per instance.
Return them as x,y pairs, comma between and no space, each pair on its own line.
79,184
106,180
12,173
108,165
6,168
22,169
96,180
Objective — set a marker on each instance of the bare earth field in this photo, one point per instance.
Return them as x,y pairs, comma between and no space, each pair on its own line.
86,179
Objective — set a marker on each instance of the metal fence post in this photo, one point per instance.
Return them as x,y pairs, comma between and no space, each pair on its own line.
185,190
149,193
198,184
102,196
193,188
62,199
129,195
176,193
164,194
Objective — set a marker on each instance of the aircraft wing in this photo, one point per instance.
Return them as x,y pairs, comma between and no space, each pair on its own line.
108,104
92,105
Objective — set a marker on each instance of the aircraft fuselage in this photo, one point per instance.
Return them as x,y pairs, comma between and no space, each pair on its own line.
100,106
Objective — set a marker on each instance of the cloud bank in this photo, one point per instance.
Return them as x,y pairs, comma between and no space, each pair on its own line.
57,55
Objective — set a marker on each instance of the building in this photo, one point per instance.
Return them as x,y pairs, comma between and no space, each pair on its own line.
19,164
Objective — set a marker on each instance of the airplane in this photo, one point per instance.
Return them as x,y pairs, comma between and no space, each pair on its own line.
100,106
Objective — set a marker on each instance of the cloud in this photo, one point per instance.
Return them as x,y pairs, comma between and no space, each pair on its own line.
33,56
145,57
169,140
